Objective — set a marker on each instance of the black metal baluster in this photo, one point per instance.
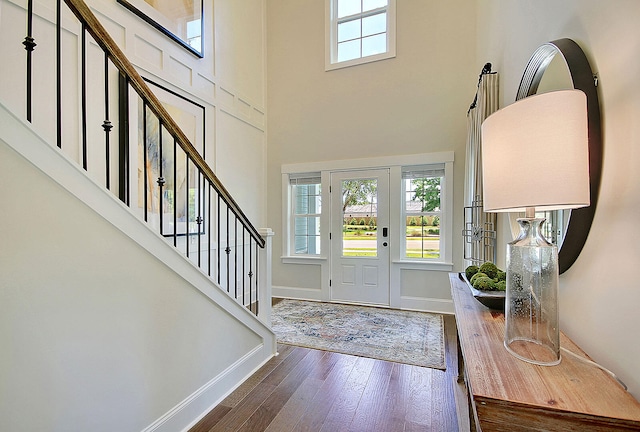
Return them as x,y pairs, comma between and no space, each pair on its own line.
204,147
161,179
257,277
228,251
84,97
145,138
244,253
59,73
106,125
186,184
199,219
250,271
218,239
235,258
123,127
209,229
29,45
175,193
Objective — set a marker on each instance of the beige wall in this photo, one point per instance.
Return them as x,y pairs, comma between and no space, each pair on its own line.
414,103
600,294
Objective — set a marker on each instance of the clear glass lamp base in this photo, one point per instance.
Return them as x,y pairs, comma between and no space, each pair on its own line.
531,310
533,351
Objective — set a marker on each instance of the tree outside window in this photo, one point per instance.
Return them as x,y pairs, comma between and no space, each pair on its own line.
422,213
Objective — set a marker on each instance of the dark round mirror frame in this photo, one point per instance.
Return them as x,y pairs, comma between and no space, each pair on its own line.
583,79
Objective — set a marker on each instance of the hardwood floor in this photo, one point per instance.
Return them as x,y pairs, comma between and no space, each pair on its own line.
309,390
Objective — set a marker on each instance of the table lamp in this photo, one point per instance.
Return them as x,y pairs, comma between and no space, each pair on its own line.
535,156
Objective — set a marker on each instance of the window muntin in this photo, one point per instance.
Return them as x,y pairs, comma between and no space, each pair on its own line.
359,31
306,207
422,211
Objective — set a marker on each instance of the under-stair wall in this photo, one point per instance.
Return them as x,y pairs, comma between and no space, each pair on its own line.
103,326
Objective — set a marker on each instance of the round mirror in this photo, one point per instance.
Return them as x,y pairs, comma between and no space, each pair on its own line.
559,65
556,77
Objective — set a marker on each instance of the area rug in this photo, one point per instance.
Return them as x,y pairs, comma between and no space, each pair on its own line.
415,338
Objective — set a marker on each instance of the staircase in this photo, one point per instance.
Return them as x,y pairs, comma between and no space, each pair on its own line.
135,292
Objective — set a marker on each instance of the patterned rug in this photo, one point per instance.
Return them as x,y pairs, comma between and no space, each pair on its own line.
415,338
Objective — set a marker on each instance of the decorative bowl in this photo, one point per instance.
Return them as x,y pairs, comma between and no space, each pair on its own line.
491,299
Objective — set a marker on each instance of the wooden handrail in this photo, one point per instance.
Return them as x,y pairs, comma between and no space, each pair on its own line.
117,57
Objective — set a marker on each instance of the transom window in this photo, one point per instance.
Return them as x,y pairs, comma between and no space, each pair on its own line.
359,31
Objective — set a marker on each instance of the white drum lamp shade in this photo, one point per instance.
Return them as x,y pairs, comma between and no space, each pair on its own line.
535,154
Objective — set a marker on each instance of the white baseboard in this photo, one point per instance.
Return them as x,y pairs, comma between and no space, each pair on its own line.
421,304
193,408
296,293
427,305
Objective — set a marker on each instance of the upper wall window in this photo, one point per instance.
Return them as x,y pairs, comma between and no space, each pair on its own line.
359,31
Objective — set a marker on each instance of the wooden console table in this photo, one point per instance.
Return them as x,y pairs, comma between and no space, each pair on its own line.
507,394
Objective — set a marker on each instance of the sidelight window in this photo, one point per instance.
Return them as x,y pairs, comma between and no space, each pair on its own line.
306,207
422,211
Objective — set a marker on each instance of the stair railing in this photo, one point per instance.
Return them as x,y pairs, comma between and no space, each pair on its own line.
209,213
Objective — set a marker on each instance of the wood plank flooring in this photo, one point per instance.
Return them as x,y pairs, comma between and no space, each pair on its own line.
309,390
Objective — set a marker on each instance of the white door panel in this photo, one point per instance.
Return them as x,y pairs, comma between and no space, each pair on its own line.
359,246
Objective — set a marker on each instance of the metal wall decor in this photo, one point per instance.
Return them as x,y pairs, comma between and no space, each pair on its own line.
479,234
182,21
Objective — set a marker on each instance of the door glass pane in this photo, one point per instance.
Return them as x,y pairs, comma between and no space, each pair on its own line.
360,218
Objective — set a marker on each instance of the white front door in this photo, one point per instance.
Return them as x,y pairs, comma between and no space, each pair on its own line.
360,237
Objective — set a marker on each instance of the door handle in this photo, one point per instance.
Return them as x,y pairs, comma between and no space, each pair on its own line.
384,232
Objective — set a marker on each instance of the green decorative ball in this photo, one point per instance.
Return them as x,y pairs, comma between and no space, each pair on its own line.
470,271
490,269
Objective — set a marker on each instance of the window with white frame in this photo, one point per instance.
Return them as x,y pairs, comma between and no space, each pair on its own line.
306,207
359,31
422,211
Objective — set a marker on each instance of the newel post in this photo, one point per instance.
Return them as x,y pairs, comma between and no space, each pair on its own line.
264,300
